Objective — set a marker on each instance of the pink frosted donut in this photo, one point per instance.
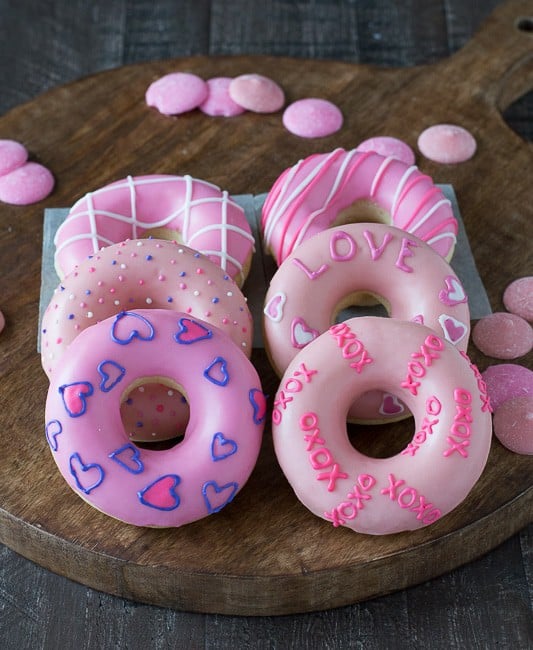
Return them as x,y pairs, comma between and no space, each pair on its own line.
137,274
325,190
327,273
193,211
426,480
146,487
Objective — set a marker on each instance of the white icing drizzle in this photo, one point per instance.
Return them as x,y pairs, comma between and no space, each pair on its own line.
428,214
408,172
377,178
133,208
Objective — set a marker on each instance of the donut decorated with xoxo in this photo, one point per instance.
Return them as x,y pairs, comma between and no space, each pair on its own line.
329,271
192,211
146,487
325,190
432,475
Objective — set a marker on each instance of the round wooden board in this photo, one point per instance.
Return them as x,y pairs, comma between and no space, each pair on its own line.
264,553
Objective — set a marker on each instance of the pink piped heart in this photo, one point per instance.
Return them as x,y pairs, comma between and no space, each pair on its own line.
75,397
192,331
454,330
274,308
301,333
454,293
419,318
391,405
161,493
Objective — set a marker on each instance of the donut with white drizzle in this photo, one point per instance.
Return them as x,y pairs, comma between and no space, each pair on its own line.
330,189
193,211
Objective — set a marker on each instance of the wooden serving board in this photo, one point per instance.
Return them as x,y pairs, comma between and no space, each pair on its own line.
264,553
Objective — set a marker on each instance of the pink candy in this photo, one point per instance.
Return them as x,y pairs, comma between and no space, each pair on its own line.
506,381
2,321
447,143
176,93
218,101
312,118
389,147
12,155
27,184
513,424
503,336
257,93
518,297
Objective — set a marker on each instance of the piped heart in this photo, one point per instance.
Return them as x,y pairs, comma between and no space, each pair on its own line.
222,447
217,496
217,372
111,373
161,494
75,397
391,405
52,430
454,293
419,318
129,457
274,307
129,325
191,331
301,333
88,476
258,400
454,330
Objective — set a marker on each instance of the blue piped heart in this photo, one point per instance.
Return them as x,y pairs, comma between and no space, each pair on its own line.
130,321
88,472
217,372
258,400
191,331
75,397
222,447
161,494
217,496
129,457
52,430
111,373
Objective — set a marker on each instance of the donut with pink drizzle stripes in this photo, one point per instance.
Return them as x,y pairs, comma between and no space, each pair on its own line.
192,211
331,189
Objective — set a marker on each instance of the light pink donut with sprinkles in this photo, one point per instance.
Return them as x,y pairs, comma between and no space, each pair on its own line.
193,211
330,189
144,273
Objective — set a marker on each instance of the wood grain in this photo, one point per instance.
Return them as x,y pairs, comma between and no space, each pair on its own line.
263,554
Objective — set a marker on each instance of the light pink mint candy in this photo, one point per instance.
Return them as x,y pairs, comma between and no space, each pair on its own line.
312,118
27,184
447,143
12,155
513,425
389,147
257,93
503,336
518,297
507,380
176,93
2,321
218,100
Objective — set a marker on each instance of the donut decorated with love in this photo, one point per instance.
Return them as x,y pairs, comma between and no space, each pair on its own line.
329,271
145,487
325,190
437,469
192,211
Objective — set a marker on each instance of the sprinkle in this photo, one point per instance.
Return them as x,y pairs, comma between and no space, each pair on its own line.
139,243
76,326
208,313
229,293
148,258
225,320
170,299
100,301
182,274
90,314
141,282
116,302
215,300
70,316
173,261
162,278
160,408
196,292
133,254
141,389
199,271
149,301
210,282
121,278
129,401
113,262
100,283
71,297
123,266
91,269
196,255
87,292
112,290
170,393
59,340
158,245
182,285
83,304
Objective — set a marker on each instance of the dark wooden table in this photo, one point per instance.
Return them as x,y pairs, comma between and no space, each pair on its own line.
43,44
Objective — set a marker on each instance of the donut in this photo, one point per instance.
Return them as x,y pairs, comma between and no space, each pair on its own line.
437,469
192,211
325,190
327,273
146,487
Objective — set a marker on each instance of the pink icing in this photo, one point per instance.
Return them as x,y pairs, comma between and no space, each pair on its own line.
312,118
327,270
26,184
308,198
12,155
410,490
204,217
257,93
176,93
388,146
145,487
218,101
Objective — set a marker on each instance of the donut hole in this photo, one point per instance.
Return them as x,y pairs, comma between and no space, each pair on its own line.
381,440
361,303
362,211
155,413
162,233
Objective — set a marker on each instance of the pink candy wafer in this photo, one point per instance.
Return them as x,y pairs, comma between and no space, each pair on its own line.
447,143
12,155
312,118
176,93
218,101
503,336
388,146
513,425
2,321
257,93
507,380
518,297
27,184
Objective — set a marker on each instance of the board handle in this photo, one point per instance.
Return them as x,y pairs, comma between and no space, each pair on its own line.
498,60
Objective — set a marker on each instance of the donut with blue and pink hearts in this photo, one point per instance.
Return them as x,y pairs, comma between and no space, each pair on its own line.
147,487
